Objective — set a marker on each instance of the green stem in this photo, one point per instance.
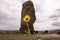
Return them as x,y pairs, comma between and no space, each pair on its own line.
28,29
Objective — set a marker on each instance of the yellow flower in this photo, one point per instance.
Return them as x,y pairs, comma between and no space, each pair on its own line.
26,18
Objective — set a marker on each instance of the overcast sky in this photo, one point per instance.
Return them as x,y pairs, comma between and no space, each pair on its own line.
47,14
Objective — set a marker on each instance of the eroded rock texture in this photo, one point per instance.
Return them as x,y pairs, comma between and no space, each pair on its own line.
28,9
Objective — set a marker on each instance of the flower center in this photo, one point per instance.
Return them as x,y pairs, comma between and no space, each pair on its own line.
26,18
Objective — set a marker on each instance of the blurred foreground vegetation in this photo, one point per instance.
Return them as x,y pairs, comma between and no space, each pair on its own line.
18,36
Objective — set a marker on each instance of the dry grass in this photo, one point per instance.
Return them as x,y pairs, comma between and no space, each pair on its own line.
27,37
17,37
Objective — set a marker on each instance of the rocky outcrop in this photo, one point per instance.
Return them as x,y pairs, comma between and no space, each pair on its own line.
28,9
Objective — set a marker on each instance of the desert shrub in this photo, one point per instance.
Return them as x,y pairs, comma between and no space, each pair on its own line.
58,32
46,31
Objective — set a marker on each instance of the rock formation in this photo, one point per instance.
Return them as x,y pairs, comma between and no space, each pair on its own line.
28,9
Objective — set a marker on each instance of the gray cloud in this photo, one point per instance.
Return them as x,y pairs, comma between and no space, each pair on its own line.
9,15
56,24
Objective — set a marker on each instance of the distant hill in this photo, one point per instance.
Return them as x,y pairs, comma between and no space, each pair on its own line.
49,31
9,31
46,31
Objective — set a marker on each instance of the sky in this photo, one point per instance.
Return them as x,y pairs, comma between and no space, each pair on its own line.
47,14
